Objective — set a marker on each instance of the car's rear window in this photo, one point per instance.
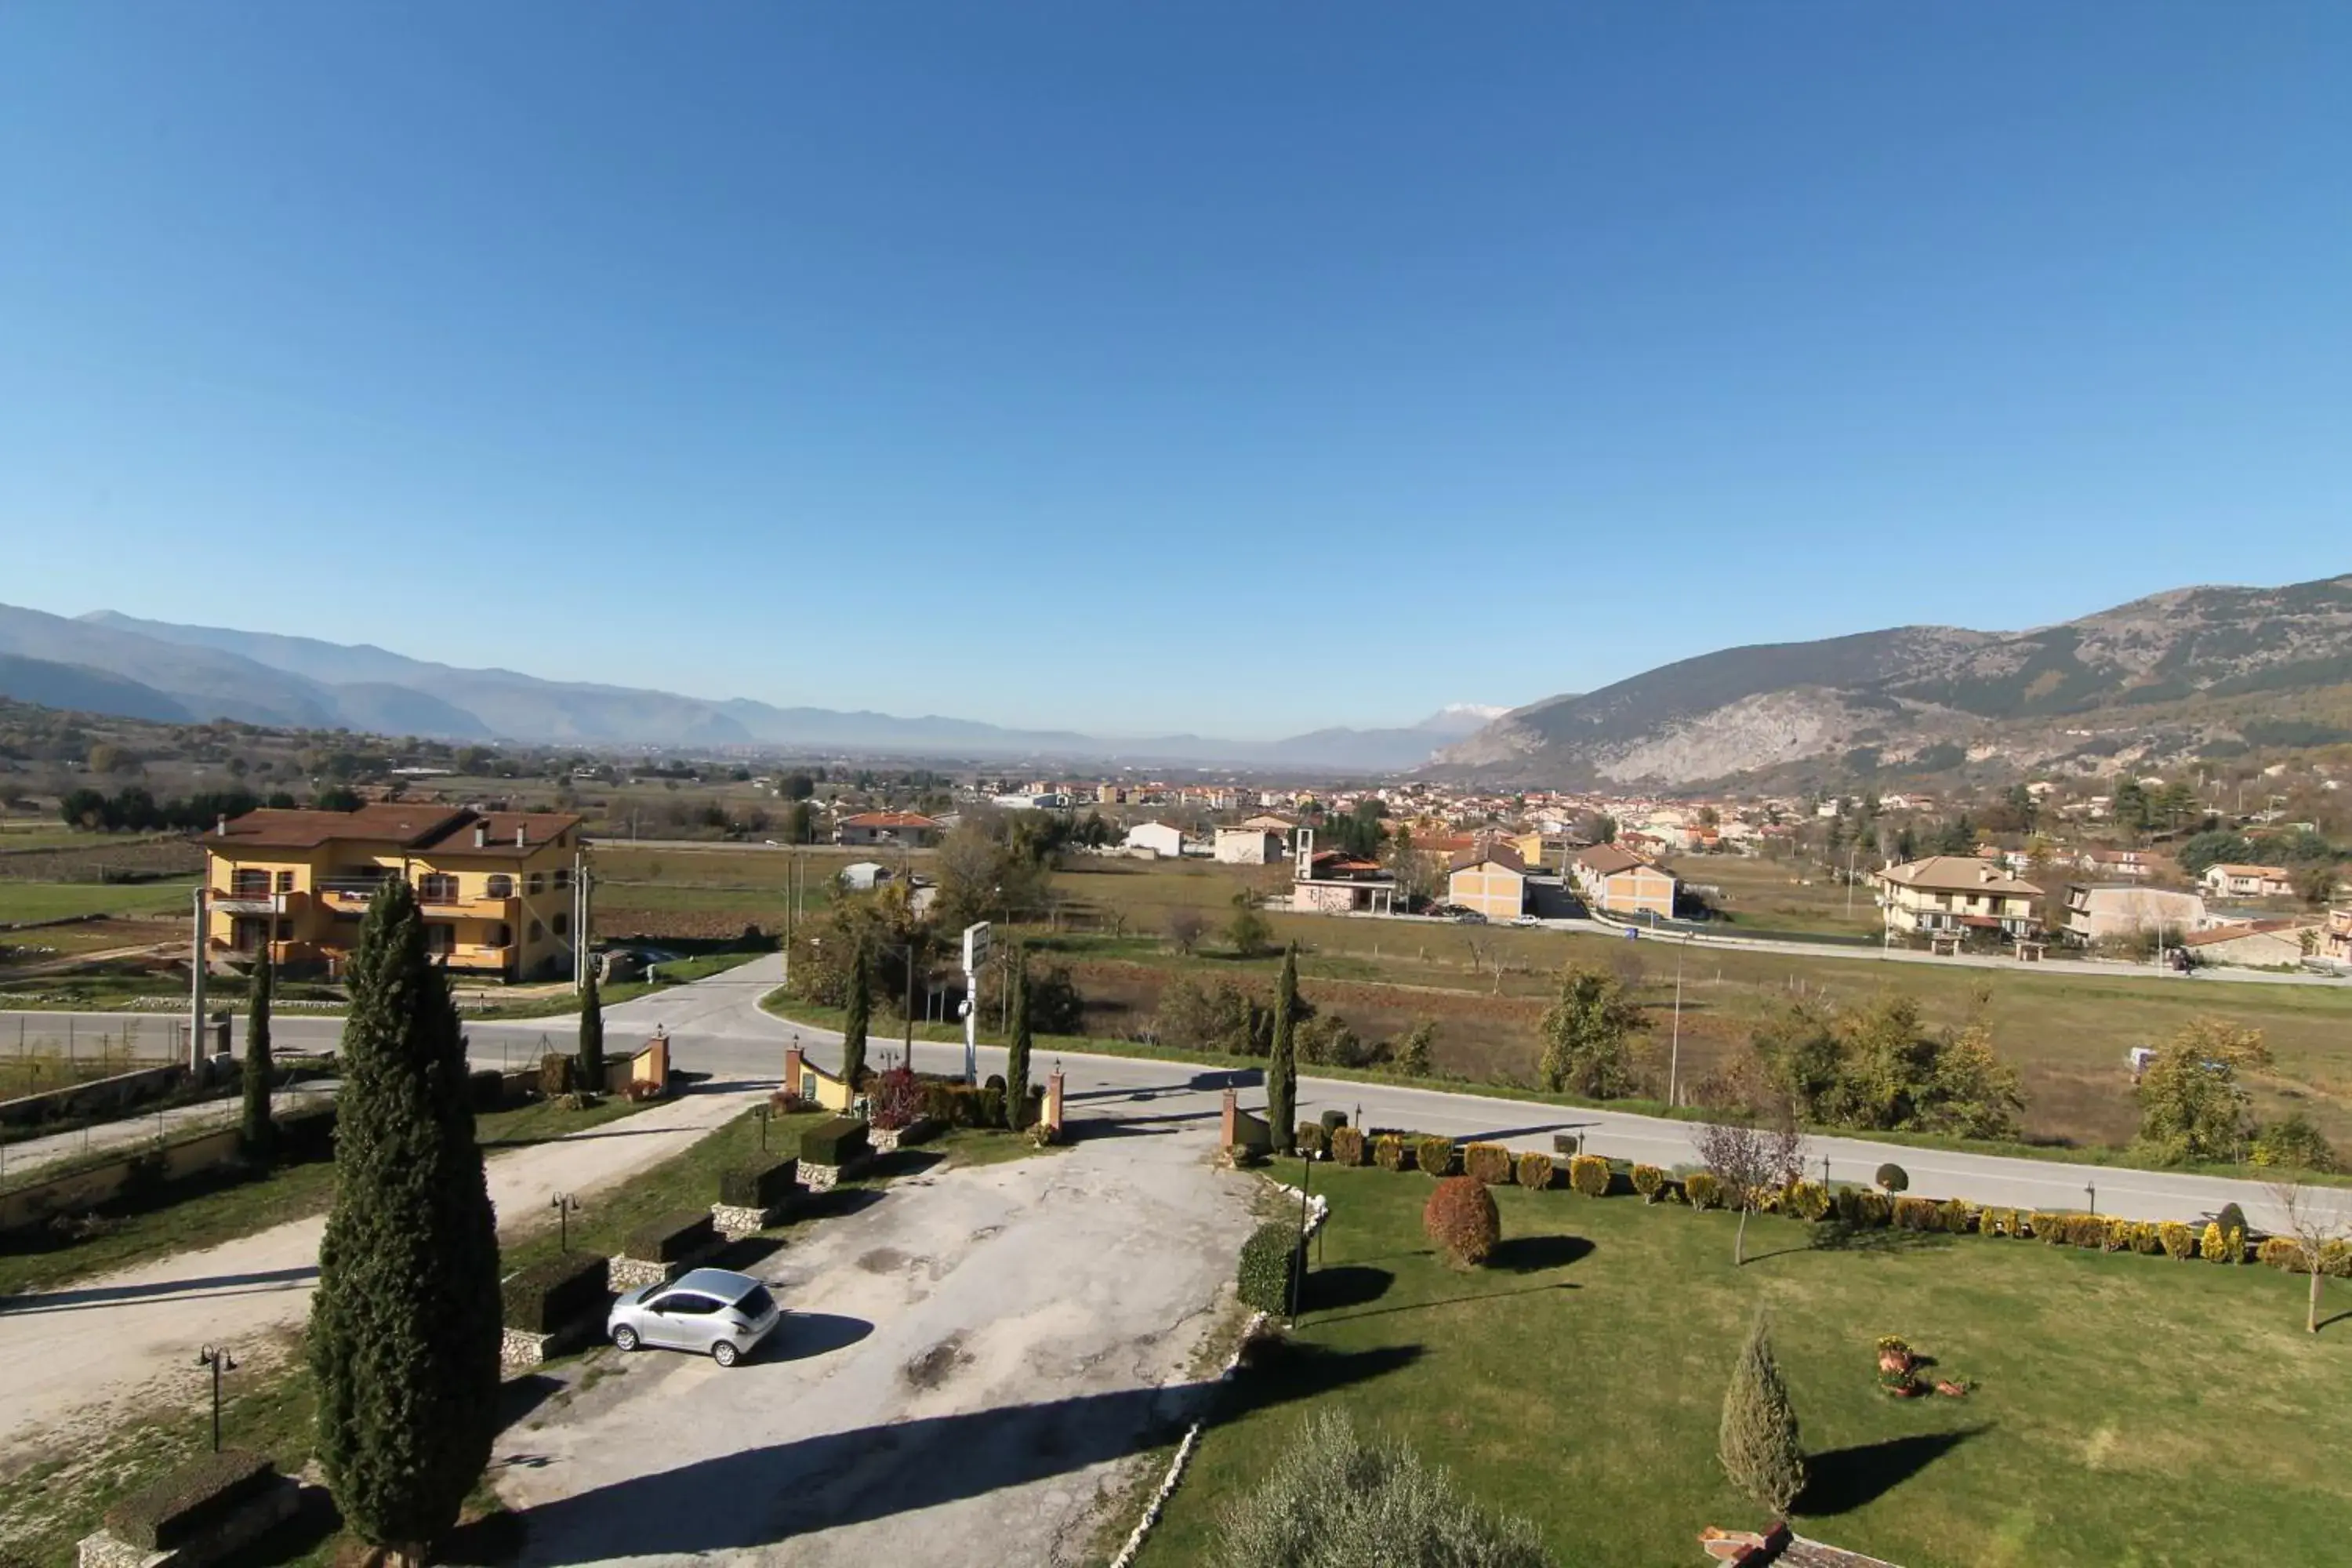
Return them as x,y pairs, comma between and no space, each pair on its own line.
755,1301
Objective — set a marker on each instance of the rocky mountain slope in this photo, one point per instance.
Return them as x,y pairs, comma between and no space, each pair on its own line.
1924,691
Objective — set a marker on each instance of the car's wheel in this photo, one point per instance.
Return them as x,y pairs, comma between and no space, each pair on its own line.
724,1353
625,1337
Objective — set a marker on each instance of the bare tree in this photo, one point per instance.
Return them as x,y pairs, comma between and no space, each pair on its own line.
1754,1149
1186,927
2317,1218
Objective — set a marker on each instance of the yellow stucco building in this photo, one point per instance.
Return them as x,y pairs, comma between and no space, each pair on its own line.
495,887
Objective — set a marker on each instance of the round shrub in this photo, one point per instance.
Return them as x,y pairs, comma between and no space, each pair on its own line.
1588,1175
1806,1201
1347,1146
1534,1171
1959,1217
1435,1155
1487,1163
1704,1189
1389,1153
1914,1214
2281,1252
2179,1241
1650,1182
2145,1239
2049,1227
1462,1221
1892,1178
1310,1140
1873,1210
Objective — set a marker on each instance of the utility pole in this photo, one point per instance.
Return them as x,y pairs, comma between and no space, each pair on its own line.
1849,882
196,986
1674,1061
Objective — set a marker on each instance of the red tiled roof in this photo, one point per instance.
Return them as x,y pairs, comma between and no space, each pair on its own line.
406,826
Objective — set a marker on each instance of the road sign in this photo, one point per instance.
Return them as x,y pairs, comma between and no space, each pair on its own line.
975,947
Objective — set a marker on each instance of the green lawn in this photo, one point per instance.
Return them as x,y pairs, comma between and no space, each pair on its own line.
2131,1409
57,900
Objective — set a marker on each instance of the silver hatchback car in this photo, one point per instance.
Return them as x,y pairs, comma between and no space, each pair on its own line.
713,1310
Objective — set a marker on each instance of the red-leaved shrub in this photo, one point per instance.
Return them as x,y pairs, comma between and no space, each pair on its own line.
1462,1221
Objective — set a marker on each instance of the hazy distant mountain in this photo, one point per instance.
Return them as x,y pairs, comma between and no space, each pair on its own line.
1919,691
164,670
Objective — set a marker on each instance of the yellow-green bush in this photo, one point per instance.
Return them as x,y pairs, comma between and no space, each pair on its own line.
1487,1163
2215,1247
1588,1175
1998,1222
2146,1238
2282,1252
1704,1190
1806,1201
1873,1210
1958,1216
1391,1153
1534,1171
1650,1182
2119,1235
2179,1241
1347,1146
1435,1154
2046,1226
1915,1214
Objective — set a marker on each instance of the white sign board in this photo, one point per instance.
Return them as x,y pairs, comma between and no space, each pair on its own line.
975,947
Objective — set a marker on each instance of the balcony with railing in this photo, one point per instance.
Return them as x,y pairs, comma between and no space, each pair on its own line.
249,901
475,955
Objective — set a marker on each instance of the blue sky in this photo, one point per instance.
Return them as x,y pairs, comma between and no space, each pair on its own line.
1236,368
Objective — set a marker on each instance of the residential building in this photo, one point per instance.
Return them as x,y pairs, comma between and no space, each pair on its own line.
1955,894
495,887
2117,864
1157,836
1249,846
899,827
1491,880
2248,881
1334,883
2336,938
1615,879
864,876
2097,916
2259,945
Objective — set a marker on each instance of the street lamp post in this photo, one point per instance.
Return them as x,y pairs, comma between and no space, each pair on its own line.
565,1206
217,1358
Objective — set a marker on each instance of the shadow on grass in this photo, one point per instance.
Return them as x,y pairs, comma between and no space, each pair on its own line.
1836,1238
1534,1254
1844,1479
1447,1301
2326,1323
1345,1285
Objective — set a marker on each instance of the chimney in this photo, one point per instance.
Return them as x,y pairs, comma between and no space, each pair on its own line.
518,842
220,826
481,837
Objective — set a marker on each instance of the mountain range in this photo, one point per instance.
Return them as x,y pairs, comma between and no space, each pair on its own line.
106,662
2166,674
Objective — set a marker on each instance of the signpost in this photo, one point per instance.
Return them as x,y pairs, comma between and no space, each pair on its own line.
975,954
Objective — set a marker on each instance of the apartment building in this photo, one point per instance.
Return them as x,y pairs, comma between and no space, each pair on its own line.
495,887
1615,879
2248,881
1954,894
1490,880
2097,916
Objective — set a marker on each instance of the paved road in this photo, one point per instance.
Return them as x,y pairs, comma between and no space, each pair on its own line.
966,1367
716,1028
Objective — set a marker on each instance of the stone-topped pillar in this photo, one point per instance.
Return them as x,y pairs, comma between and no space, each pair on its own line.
1229,1131
1052,1116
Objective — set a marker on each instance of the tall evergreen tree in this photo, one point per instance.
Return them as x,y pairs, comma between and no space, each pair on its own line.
1282,1065
1757,1441
404,1335
592,1036
258,1132
1016,1054
855,1017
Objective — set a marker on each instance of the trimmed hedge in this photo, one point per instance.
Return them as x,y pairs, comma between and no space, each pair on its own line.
1310,1140
542,1298
1332,1121
1347,1146
1269,1259
671,1237
1650,1182
838,1142
486,1091
760,1184
1435,1154
951,1103
1487,1163
554,1074
191,1500
1588,1175
1391,1153
1534,1171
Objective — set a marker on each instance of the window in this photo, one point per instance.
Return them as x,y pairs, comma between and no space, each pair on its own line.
686,1304
562,925
248,884
285,881
502,935
440,940
538,931
563,876
500,886
437,888
535,884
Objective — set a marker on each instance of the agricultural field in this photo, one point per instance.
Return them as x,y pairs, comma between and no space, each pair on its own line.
695,892
1764,894
22,901
1577,1380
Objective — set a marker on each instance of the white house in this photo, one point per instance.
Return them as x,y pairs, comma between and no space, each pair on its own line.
1249,846
2248,881
1157,836
864,876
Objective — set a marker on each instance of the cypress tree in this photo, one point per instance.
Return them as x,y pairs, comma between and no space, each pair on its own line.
854,1018
592,1036
1282,1066
257,1134
1016,1054
404,1328
1757,1440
